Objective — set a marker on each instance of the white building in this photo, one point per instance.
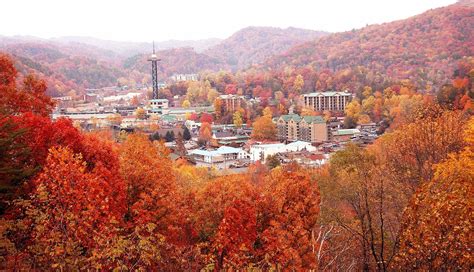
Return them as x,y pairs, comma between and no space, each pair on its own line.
122,97
331,101
220,158
192,125
260,152
159,106
184,77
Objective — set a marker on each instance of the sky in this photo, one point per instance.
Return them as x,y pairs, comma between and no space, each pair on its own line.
142,20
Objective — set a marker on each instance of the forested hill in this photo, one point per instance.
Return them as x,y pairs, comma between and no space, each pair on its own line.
424,48
253,45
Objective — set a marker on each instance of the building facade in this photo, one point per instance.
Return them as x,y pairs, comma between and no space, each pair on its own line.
159,106
260,152
231,102
330,101
184,77
292,127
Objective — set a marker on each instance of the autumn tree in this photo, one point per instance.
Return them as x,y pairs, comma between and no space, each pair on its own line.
140,113
144,170
237,117
437,227
292,209
416,146
14,155
28,97
359,200
226,220
263,127
69,209
298,84
205,132
236,235
186,104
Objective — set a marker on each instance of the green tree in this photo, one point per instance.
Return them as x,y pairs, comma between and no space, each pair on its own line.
169,136
186,134
272,161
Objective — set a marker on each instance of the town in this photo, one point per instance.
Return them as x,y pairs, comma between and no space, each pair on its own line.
190,132
237,136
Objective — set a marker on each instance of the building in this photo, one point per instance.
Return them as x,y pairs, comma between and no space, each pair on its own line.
64,101
184,77
229,138
158,106
90,97
292,127
342,135
231,102
330,101
260,152
304,158
220,158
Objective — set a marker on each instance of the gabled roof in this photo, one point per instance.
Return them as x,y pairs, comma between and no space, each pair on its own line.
288,117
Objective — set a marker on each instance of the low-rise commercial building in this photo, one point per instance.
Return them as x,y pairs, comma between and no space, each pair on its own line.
260,152
220,158
159,106
342,135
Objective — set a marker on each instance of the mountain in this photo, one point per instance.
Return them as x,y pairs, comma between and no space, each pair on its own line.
128,49
66,68
252,45
424,48
77,63
173,61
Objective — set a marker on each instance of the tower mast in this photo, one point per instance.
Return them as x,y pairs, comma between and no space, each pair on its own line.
154,72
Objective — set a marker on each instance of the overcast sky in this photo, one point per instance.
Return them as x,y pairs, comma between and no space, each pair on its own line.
141,20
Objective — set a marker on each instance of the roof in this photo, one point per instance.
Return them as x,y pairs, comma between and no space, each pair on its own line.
220,151
331,93
159,100
297,143
308,119
288,117
269,145
168,118
314,119
223,134
340,132
203,152
228,96
228,150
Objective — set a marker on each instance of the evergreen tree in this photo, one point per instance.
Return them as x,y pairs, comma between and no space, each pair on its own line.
169,137
186,134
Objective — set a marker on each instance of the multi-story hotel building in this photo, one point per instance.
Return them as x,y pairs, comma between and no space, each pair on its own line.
231,102
330,101
292,127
